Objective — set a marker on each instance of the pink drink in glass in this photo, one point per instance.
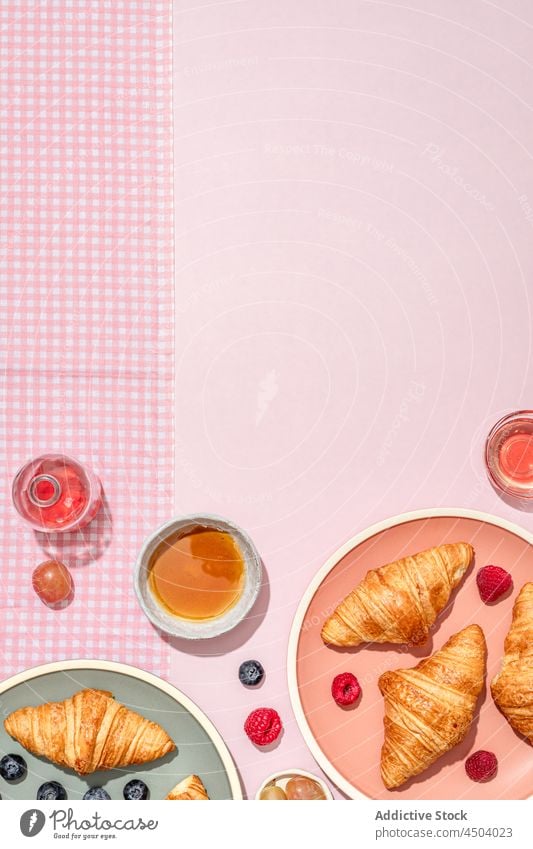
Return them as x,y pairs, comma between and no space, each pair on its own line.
509,454
56,493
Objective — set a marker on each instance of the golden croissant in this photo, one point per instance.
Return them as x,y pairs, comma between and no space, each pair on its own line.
429,709
87,732
399,602
190,789
512,688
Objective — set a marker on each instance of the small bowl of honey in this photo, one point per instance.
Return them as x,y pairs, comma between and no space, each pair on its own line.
198,576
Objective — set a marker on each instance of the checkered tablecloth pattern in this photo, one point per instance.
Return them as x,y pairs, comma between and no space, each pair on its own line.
86,300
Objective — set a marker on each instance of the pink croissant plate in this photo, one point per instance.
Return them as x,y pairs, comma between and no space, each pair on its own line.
346,742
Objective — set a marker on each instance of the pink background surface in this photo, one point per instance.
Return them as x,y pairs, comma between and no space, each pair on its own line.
354,214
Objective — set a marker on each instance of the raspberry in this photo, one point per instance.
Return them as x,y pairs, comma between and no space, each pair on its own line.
345,689
481,766
263,726
493,582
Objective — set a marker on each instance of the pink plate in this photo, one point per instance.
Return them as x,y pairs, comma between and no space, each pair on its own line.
346,742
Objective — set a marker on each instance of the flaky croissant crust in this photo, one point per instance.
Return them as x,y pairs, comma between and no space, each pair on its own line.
399,602
87,732
429,709
512,687
189,789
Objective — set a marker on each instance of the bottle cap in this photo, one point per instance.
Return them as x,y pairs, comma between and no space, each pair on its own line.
44,490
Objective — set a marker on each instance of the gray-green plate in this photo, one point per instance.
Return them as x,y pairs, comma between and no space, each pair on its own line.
199,747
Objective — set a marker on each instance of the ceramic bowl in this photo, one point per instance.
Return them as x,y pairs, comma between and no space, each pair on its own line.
281,778
190,629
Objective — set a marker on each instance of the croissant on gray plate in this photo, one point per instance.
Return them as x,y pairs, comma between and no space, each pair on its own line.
88,731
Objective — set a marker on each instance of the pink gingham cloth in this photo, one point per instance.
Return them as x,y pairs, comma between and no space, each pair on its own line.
86,298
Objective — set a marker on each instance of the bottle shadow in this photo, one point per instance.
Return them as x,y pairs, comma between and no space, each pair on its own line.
233,639
81,547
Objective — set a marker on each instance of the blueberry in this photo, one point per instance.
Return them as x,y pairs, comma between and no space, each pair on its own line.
96,793
13,768
136,789
251,673
51,790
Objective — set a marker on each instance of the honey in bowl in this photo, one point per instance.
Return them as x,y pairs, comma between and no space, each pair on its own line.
197,575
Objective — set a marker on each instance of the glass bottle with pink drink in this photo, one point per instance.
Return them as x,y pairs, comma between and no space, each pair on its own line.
54,492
